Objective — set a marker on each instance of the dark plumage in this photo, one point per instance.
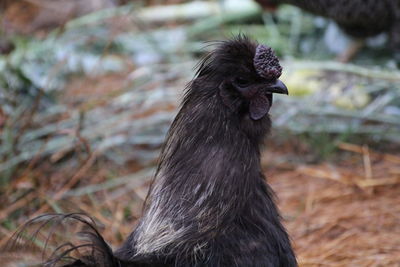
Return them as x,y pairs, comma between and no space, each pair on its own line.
358,18
209,204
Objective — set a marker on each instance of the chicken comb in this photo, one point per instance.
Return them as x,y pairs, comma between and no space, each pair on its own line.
266,63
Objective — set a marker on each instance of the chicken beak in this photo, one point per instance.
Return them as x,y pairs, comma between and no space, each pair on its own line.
278,88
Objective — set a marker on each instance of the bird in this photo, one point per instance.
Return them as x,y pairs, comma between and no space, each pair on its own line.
209,203
359,19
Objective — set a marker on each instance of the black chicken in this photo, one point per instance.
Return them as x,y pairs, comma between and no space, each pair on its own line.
209,204
357,18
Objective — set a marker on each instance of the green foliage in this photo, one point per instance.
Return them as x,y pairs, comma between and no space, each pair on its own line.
323,145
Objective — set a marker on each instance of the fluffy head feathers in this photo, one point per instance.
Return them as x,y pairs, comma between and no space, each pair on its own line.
244,74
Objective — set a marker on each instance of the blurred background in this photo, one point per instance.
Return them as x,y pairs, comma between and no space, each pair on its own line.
88,89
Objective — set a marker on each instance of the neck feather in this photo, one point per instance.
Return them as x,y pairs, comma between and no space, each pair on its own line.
208,173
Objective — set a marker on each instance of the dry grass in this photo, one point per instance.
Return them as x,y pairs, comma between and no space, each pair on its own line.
338,214
344,214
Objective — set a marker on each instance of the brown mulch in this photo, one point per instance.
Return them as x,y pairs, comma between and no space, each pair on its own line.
338,213
344,214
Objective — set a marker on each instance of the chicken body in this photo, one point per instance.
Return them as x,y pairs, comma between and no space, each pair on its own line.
358,18
209,204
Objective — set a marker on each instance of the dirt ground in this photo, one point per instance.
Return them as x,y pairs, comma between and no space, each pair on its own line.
344,214
338,214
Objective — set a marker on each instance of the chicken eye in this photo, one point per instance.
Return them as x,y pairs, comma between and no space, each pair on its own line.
242,82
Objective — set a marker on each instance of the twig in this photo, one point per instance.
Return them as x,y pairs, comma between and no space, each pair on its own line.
17,205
